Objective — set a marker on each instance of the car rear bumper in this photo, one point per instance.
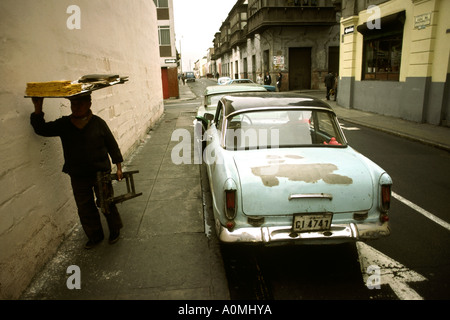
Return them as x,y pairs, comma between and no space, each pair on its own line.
338,233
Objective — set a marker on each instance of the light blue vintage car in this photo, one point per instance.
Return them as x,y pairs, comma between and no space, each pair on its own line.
281,171
247,81
211,98
213,94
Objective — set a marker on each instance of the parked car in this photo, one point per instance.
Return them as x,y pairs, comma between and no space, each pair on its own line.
223,80
211,97
190,76
281,171
213,94
239,81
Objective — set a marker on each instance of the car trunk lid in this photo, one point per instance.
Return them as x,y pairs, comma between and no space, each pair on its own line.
306,180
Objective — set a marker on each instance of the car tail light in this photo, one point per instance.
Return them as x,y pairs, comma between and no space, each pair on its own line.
230,225
230,204
385,197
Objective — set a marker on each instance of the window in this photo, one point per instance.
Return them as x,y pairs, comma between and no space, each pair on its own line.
382,48
282,129
164,35
382,58
161,3
219,116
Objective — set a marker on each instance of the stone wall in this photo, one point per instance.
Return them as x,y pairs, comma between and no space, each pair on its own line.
46,40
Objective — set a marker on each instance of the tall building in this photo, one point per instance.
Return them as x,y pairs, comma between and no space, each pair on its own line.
395,58
297,38
167,49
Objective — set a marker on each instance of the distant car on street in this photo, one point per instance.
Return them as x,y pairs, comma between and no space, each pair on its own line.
211,97
223,80
239,81
246,81
190,76
281,172
213,94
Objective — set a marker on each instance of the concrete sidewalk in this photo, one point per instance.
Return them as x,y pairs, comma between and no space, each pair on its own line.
164,252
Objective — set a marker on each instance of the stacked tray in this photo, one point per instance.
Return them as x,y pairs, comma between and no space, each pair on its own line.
67,89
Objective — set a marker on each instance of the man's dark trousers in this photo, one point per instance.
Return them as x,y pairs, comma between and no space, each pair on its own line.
83,191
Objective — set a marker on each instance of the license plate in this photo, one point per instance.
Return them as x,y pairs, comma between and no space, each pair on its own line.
312,222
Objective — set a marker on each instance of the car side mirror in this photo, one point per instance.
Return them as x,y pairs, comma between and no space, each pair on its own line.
209,116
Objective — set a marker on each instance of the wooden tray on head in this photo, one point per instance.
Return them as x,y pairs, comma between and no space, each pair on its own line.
90,83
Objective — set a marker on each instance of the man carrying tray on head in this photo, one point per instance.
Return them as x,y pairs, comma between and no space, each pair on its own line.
87,145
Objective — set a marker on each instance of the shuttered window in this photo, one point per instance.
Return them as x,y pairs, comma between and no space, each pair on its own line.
161,3
164,35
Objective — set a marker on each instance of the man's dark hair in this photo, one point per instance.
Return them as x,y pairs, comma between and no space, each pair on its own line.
83,97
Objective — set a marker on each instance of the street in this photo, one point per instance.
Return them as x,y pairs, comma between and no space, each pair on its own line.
421,174
413,262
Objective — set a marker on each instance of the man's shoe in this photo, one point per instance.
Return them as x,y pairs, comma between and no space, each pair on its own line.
114,237
91,244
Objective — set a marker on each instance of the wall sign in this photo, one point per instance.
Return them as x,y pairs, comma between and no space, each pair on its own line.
422,21
348,30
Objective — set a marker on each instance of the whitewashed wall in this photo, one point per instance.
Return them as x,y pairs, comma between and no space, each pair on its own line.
37,209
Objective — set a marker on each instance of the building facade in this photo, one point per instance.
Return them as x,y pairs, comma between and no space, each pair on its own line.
299,39
167,48
395,58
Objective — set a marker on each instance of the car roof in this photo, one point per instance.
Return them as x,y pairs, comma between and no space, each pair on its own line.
272,100
218,89
237,80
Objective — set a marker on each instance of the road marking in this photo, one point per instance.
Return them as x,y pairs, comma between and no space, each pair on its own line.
350,128
422,211
392,272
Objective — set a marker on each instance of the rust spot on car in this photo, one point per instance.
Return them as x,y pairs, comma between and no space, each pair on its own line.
309,173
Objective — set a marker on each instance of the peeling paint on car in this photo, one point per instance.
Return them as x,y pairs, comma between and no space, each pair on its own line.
309,173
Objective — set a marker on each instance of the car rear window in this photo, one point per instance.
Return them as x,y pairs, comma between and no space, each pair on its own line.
282,129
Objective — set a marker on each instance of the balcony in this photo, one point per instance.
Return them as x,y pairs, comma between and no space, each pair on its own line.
224,47
267,17
238,37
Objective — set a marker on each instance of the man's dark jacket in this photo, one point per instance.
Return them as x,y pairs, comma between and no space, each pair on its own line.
85,150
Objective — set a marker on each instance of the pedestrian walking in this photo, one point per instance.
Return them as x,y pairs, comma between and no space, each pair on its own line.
329,83
183,78
279,81
267,79
336,80
87,145
259,79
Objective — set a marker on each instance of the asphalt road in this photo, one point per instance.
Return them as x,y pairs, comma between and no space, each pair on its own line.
413,262
421,175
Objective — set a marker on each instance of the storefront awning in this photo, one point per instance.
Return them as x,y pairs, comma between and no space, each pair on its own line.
387,24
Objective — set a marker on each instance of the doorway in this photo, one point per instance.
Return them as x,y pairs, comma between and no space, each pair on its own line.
333,59
300,68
